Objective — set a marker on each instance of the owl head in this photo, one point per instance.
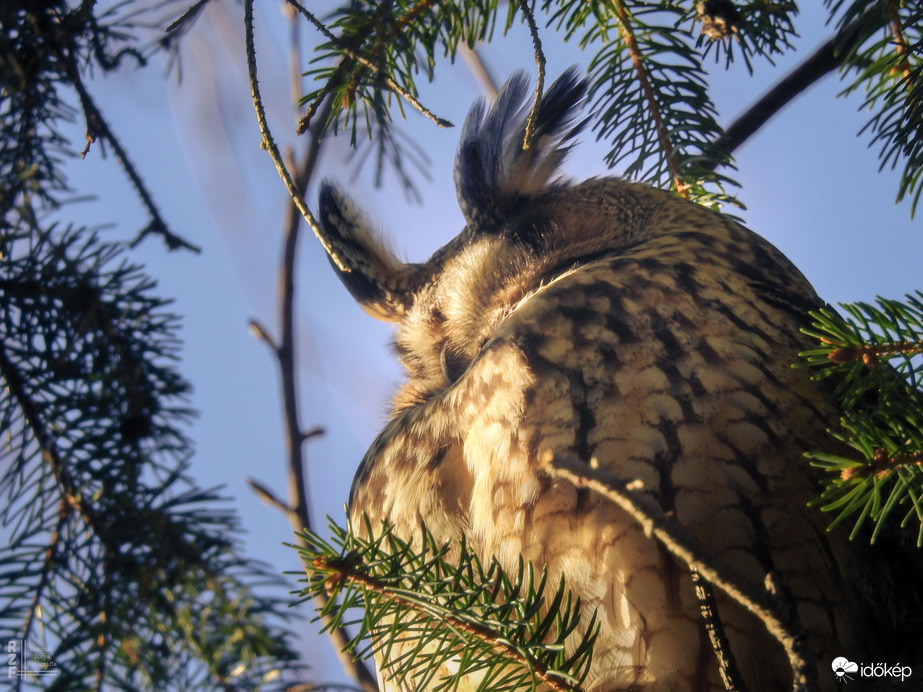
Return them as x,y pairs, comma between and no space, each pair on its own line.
524,228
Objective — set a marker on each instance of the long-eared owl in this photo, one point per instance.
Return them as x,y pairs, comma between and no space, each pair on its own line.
626,327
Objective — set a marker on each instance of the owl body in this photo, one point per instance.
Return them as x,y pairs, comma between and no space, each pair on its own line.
637,332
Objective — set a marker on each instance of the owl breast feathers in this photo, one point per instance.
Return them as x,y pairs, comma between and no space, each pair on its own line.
618,324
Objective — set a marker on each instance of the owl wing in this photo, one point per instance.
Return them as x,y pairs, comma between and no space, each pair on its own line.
646,369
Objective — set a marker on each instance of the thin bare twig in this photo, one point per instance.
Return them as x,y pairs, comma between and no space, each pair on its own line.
540,79
259,331
297,488
270,145
780,620
296,509
98,127
268,496
727,667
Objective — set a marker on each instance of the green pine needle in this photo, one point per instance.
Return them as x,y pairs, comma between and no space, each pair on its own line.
435,615
875,356
887,63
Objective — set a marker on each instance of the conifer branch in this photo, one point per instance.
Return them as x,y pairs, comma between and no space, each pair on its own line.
434,615
666,63
355,56
305,121
883,464
71,497
851,349
653,104
339,74
346,572
871,354
99,517
874,356
886,55
112,556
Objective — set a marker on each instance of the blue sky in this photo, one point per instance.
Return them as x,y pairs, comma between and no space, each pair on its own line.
810,185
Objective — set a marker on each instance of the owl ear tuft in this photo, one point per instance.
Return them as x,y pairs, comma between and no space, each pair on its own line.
382,284
492,170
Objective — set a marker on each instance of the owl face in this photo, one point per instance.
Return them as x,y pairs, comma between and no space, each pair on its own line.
524,230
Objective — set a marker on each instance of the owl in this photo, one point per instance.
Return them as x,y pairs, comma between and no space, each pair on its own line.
641,334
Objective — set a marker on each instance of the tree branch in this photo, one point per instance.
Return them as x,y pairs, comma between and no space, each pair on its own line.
779,618
477,68
296,509
637,60
346,571
71,497
824,60
365,62
98,127
269,143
